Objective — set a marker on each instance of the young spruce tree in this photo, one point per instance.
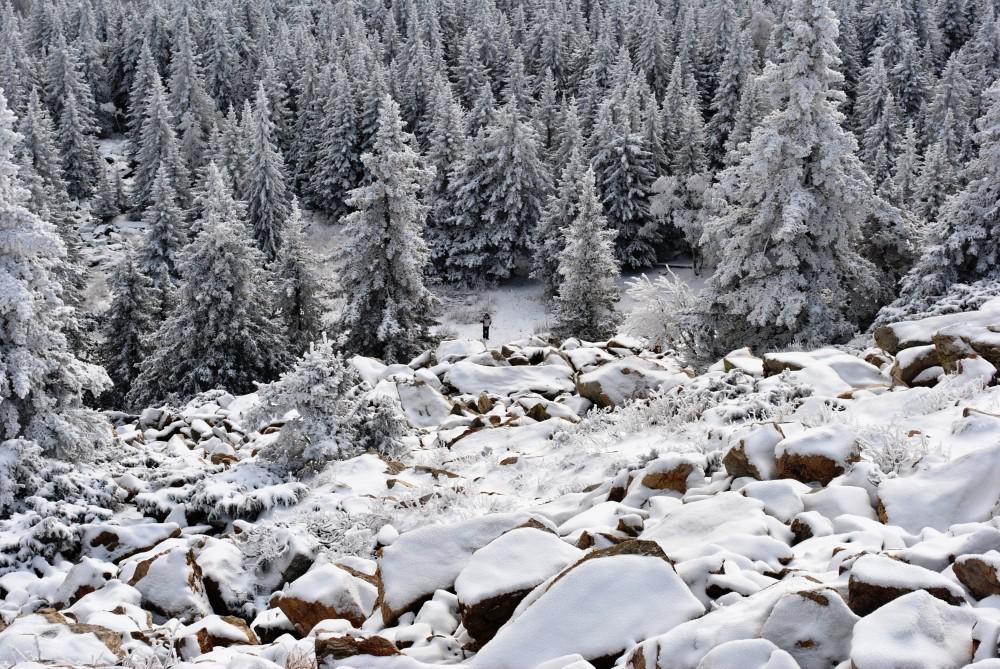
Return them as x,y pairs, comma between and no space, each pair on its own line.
585,305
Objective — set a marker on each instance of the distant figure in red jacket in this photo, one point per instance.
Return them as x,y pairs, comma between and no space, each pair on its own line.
486,321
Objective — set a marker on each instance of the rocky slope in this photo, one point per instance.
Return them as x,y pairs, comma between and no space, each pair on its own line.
562,505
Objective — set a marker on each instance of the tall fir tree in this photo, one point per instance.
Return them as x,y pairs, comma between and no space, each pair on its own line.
128,325
624,172
388,312
502,185
158,148
165,230
224,330
339,166
43,385
968,227
268,204
298,288
561,208
789,269
588,293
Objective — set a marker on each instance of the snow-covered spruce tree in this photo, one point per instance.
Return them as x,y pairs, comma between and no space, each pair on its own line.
42,383
166,235
324,390
936,182
793,207
298,288
388,310
965,246
128,324
624,173
78,149
142,81
561,208
737,66
501,186
446,146
189,100
906,170
268,204
585,305
224,330
338,164
158,148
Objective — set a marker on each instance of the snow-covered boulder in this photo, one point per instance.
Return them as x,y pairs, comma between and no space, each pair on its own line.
782,498
687,644
52,640
675,471
431,558
213,632
170,582
753,453
876,580
333,647
326,591
917,631
745,361
980,574
964,490
597,608
500,574
83,578
813,626
114,542
453,350
228,583
546,380
719,522
829,371
627,378
818,454
905,334
911,363
423,404
747,654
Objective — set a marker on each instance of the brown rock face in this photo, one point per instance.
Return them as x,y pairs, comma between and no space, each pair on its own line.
207,642
483,619
304,615
673,479
808,468
342,647
920,360
863,598
977,575
737,464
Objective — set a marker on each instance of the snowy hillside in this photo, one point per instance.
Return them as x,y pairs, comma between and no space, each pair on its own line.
802,510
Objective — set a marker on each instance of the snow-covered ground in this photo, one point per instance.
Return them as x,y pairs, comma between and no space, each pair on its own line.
804,509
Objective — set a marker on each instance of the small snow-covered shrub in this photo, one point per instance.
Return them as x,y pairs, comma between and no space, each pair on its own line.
892,448
379,426
244,491
44,500
316,398
663,312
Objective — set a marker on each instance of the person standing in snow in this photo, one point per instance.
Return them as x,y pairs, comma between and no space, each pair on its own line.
486,321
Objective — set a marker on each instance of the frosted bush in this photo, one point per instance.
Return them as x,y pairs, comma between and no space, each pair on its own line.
318,396
663,312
